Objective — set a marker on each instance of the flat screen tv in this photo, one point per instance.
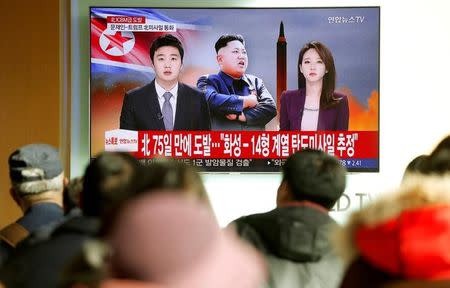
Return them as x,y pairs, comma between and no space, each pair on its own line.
276,123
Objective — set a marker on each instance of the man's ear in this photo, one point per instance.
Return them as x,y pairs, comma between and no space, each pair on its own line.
283,193
219,58
65,181
16,198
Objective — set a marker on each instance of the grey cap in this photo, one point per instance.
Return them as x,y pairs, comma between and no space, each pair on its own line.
34,162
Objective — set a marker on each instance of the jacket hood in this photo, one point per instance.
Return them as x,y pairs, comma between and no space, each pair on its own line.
298,233
405,232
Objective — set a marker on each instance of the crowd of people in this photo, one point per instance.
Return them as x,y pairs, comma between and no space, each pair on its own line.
123,224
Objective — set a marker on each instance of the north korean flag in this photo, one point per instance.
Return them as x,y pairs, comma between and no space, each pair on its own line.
130,49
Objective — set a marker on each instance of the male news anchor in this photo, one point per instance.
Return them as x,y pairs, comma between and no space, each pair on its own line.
238,101
165,103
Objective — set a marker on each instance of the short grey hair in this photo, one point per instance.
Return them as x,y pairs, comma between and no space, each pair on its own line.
39,186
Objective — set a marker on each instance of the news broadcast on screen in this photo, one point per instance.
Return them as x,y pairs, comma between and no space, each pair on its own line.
236,89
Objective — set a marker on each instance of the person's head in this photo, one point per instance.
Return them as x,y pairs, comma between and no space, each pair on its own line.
166,53
172,175
437,163
312,175
72,194
231,55
316,64
109,180
178,243
415,167
36,175
439,160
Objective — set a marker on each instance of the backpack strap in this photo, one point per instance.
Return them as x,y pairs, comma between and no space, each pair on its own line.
13,234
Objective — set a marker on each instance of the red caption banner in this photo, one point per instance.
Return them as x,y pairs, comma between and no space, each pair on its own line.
255,144
125,19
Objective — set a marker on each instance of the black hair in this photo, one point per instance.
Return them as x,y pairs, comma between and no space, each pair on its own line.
327,98
171,174
417,165
72,194
166,40
439,160
224,39
163,174
315,176
110,178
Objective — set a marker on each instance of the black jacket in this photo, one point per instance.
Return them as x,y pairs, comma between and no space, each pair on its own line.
36,217
295,242
41,263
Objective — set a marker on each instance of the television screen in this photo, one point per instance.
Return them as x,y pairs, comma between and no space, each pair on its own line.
241,100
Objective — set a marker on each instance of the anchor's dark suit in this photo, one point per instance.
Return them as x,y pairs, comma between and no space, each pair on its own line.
141,110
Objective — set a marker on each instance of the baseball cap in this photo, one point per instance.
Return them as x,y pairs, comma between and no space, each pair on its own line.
34,162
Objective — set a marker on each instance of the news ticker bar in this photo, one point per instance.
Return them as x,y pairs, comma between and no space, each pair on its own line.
264,165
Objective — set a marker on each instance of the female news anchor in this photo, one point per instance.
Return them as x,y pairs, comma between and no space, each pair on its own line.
314,106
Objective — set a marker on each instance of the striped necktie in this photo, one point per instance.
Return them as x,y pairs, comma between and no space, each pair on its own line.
167,112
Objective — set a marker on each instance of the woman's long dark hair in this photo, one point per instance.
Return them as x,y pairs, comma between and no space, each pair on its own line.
329,79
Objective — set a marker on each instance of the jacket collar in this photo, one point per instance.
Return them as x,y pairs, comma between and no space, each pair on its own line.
305,203
229,80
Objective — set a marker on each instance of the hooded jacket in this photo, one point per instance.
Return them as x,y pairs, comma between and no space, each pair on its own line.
401,239
295,241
